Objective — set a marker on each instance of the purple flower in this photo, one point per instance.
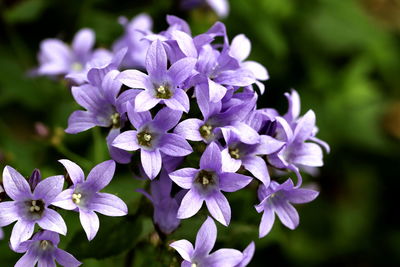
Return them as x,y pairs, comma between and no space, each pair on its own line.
84,195
57,58
240,49
151,138
206,184
200,254
161,85
165,206
42,249
237,154
217,121
220,70
277,198
102,104
135,30
29,208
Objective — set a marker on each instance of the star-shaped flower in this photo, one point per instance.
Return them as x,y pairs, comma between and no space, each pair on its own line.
85,197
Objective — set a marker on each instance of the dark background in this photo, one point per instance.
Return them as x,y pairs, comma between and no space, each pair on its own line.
342,56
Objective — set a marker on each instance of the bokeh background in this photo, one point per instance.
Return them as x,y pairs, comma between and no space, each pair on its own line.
343,57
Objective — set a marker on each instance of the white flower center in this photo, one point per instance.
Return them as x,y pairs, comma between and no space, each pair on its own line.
76,198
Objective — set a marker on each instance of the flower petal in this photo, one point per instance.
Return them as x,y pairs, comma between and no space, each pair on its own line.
28,259
174,145
15,185
179,101
138,119
184,177
184,248
219,208
211,158
190,205
258,167
185,43
126,141
267,221
49,188
65,259
100,176
74,171
205,238
156,61
8,213
231,182
301,195
135,79
151,162
216,91
108,205
167,119
83,42
80,121
21,232
189,129
64,200
224,257
240,47
53,221
181,70
90,223
145,101
287,214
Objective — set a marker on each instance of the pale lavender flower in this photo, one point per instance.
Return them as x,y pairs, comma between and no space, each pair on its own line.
206,183
200,255
101,104
84,195
217,121
151,138
135,30
165,206
237,154
42,250
220,70
240,49
277,198
161,85
29,208
57,58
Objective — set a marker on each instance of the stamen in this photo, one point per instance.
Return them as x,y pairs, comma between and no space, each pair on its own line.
205,178
76,198
194,265
163,92
206,131
44,244
76,66
36,206
145,138
235,153
115,120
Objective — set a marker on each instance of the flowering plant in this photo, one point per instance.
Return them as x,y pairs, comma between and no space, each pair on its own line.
182,110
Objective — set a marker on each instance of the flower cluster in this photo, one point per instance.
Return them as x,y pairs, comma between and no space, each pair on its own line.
187,106
34,201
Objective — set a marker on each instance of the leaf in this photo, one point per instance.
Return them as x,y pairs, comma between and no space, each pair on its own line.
25,11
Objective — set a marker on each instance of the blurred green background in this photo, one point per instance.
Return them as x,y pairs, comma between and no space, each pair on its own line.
343,57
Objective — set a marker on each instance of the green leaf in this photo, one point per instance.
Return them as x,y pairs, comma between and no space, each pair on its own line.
25,11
